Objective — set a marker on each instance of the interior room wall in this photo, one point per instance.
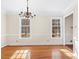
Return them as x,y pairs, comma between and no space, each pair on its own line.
3,29
40,31
3,23
75,26
40,25
75,30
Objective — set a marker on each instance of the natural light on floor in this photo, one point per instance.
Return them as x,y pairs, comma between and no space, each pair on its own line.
21,54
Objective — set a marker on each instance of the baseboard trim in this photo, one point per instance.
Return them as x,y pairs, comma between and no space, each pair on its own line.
31,45
3,46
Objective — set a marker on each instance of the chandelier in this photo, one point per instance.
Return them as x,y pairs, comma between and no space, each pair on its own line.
26,14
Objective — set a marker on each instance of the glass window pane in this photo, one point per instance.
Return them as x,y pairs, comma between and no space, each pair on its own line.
25,28
25,21
56,28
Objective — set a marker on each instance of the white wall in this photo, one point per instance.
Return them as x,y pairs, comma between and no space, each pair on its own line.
3,23
74,9
41,25
40,31
75,30
3,29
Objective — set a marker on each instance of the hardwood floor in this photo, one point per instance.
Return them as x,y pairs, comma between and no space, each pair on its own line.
70,46
37,52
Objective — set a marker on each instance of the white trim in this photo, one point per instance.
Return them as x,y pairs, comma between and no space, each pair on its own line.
3,46
20,18
19,27
63,30
69,13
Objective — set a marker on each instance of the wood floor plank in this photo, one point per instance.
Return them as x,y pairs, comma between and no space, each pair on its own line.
37,52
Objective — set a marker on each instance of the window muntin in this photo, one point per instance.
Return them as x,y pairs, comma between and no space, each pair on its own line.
56,28
25,28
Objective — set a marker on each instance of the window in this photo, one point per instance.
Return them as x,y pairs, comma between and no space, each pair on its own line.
25,28
55,28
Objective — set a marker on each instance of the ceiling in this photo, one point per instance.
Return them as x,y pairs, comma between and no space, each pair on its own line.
42,7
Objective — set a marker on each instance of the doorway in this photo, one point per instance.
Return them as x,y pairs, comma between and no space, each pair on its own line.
69,31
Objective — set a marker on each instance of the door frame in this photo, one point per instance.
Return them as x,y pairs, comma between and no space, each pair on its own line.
67,14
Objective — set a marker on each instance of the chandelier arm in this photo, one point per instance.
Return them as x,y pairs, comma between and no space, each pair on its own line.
27,7
27,14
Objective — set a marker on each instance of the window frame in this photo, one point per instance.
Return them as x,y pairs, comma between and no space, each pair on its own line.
20,25
61,26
